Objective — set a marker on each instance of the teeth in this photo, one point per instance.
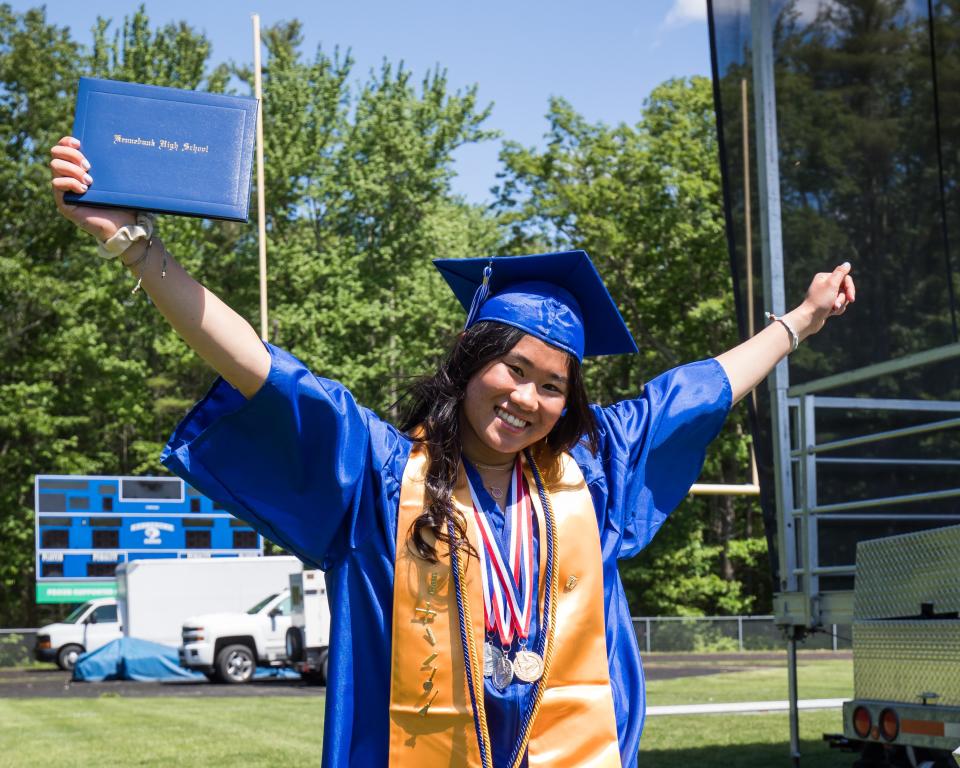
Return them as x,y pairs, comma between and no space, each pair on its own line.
510,419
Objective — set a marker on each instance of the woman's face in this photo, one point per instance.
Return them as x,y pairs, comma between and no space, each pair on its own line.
514,401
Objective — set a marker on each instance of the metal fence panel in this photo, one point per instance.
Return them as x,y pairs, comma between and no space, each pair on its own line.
718,634
16,646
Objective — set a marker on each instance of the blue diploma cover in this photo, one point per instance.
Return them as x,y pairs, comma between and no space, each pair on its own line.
165,150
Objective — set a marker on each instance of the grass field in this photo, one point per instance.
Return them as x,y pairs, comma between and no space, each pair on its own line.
115,731
272,731
816,679
739,741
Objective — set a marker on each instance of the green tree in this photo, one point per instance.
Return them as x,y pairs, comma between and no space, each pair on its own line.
79,357
645,202
358,198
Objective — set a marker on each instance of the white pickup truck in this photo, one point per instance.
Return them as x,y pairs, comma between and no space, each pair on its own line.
228,647
88,627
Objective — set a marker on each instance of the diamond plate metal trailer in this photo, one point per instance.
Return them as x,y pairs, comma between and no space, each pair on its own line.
906,652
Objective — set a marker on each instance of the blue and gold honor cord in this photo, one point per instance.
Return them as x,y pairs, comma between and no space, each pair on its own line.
544,647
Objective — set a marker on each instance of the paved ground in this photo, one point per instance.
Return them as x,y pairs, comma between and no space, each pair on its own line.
32,683
43,682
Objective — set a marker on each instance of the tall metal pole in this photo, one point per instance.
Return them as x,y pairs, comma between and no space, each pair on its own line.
261,203
793,694
771,237
748,242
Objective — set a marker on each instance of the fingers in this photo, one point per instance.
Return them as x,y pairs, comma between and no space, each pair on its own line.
66,169
63,184
849,288
838,275
68,162
70,154
845,296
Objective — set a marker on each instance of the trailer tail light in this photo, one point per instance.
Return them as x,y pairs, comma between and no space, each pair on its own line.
862,722
889,725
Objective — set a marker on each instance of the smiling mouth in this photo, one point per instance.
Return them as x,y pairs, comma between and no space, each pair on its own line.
510,419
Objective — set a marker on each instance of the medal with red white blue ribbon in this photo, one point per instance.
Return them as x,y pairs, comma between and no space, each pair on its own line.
507,577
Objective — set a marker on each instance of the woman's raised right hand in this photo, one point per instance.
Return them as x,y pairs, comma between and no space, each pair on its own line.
71,172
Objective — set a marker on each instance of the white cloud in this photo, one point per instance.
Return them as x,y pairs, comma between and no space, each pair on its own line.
684,12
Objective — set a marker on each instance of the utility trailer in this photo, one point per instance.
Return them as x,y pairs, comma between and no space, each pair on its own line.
906,652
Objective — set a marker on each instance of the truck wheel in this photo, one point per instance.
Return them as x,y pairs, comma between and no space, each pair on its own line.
67,657
317,675
324,654
294,644
235,664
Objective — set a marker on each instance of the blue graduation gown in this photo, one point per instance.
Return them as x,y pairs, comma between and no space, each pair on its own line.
320,475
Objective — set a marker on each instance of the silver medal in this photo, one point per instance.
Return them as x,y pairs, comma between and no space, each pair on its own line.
528,666
502,672
490,656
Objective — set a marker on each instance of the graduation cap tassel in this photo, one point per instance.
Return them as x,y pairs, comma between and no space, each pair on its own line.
480,296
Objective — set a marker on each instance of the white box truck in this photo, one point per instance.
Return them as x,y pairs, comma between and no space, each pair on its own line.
309,635
157,596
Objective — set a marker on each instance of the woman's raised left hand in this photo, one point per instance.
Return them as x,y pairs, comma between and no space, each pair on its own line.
747,364
829,294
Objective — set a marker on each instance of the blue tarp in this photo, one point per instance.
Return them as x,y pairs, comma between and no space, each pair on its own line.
131,659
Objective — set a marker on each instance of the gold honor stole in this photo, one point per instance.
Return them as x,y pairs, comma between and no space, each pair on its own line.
431,704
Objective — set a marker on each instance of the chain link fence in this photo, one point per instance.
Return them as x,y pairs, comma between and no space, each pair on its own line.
663,634
16,646
717,634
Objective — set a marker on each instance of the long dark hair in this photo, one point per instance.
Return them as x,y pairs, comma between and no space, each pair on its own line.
431,412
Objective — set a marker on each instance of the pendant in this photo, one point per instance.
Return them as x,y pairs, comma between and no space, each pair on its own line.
502,672
528,666
495,492
490,656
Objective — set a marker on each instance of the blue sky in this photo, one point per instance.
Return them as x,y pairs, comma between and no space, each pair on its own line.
604,57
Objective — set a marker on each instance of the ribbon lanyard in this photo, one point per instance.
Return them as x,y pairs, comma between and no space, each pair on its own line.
507,576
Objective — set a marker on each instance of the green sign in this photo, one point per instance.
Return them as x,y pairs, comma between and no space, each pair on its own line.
74,591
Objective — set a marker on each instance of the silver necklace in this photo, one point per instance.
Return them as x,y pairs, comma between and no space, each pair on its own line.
495,490
497,467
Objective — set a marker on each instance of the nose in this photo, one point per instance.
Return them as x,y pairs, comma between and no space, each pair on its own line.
524,395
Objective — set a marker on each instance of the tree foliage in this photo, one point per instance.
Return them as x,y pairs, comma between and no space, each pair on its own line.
644,201
358,199
358,195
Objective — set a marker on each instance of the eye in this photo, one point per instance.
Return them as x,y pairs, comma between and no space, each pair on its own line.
515,369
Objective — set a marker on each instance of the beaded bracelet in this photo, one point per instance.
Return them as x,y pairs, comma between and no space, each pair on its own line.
142,261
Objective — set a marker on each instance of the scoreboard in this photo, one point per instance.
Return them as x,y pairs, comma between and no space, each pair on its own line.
86,525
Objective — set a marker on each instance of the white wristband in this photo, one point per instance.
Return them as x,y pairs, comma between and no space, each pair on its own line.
126,236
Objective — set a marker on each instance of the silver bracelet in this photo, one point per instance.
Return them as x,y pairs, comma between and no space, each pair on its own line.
794,338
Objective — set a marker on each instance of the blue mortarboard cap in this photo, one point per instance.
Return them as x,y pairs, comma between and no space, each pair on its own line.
557,297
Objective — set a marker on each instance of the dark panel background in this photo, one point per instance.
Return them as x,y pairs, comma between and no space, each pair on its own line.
868,111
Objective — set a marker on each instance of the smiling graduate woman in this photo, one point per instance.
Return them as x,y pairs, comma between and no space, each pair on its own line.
470,552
